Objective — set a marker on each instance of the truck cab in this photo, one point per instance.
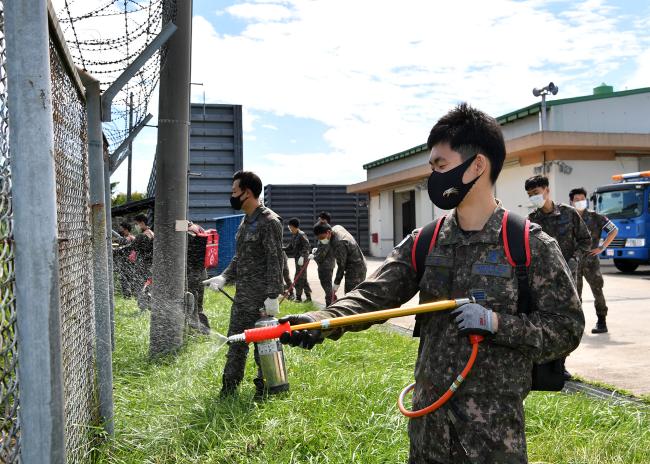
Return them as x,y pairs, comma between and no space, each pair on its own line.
626,203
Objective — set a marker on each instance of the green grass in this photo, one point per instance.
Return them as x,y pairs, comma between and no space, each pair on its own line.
341,407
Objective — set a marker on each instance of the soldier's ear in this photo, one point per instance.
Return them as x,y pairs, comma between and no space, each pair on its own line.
482,164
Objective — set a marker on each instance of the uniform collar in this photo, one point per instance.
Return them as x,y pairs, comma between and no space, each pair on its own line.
556,211
450,233
255,214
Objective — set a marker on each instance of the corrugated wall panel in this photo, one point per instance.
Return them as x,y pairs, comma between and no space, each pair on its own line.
306,201
215,154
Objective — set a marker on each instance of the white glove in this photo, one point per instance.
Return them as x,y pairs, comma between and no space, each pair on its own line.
301,261
335,288
313,251
271,306
310,257
216,283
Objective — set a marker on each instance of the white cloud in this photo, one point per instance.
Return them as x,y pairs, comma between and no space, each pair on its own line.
260,11
304,168
379,75
641,77
269,126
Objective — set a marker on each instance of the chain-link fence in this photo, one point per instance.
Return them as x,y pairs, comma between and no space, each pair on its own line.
9,426
75,260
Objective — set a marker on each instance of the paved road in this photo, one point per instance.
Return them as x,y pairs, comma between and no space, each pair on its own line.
619,358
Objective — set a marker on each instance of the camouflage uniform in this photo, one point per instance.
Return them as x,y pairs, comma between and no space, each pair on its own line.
298,248
565,225
349,258
143,246
196,274
324,257
484,421
590,265
256,270
285,274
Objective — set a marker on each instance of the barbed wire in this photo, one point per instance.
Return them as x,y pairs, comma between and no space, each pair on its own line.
104,37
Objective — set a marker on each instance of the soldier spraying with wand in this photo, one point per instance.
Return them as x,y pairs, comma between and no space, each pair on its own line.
256,271
527,308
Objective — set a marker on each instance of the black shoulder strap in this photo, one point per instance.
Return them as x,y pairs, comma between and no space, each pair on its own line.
425,240
515,233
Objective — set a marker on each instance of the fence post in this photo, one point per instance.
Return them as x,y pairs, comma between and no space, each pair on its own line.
35,232
109,240
170,224
103,350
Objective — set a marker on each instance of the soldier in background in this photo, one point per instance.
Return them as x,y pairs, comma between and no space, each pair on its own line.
143,246
324,257
347,253
256,271
196,274
484,421
125,259
590,265
299,250
287,277
560,221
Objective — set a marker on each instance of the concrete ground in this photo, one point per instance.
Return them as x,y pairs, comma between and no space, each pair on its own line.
620,357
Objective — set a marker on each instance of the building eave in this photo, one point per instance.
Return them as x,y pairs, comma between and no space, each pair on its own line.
533,148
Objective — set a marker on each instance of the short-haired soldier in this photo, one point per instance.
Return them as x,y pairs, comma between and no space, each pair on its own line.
484,421
589,266
256,271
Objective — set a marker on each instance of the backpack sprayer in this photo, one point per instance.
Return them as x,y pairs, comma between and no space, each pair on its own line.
274,368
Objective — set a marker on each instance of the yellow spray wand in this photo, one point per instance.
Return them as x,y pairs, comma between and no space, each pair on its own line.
268,333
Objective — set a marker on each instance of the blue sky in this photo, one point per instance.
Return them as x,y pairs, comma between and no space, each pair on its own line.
328,85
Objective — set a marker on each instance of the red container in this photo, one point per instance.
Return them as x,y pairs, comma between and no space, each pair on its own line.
211,248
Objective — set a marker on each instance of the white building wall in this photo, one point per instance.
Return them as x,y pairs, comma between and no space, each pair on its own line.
386,239
374,223
587,174
521,127
510,188
412,161
629,114
591,174
423,206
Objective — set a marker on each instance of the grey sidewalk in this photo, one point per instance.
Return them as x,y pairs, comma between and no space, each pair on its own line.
619,358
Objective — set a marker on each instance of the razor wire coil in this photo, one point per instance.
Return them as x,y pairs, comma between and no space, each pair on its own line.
105,50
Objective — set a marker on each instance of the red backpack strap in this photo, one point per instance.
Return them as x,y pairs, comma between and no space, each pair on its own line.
515,231
423,244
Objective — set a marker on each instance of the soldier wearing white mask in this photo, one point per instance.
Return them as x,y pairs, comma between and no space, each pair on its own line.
590,265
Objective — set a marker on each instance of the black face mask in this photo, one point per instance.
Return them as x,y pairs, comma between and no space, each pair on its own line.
236,202
446,189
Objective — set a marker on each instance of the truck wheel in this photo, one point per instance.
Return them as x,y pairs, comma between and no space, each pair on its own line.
624,266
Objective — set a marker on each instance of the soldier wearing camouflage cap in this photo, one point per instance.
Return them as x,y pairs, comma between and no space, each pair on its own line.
484,421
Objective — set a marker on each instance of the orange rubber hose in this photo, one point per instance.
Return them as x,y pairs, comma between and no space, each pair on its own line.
474,340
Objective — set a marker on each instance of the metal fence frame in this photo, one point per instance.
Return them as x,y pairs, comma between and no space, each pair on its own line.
63,292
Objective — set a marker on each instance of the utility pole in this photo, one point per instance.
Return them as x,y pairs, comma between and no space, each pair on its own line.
128,179
170,226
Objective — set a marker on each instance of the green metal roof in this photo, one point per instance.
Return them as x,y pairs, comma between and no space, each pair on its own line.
536,107
513,116
396,156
